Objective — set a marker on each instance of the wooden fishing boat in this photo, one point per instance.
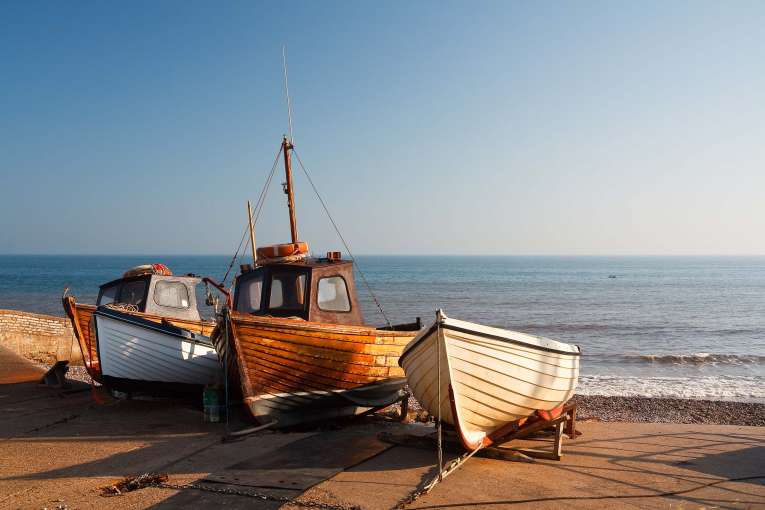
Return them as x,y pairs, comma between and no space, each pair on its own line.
486,381
295,341
145,333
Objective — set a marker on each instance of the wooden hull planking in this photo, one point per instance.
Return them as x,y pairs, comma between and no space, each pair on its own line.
295,371
80,316
489,378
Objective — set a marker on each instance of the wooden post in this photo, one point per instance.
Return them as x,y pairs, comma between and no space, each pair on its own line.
558,442
286,147
252,234
571,422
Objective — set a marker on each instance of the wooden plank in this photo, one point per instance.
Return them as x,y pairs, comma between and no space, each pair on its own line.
317,351
338,372
259,365
293,377
355,343
324,328
348,365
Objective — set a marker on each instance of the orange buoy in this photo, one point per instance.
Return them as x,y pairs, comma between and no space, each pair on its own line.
277,251
157,268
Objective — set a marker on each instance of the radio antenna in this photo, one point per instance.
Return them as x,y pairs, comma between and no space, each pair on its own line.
287,92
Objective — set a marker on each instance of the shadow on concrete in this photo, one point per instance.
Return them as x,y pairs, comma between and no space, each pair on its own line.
79,439
708,469
732,464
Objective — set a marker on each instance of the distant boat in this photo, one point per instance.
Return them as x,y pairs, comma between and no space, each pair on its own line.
491,379
145,333
295,340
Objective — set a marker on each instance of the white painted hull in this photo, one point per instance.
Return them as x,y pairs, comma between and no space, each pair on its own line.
495,376
134,352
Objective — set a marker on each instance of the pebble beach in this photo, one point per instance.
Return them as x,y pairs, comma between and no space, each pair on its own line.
669,410
618,409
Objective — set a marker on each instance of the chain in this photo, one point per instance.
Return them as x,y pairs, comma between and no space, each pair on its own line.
409,498
257,495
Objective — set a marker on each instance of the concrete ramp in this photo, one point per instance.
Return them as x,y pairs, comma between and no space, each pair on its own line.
304,463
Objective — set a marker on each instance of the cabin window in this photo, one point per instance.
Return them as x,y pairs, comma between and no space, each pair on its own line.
172,294
287,291
133,293
333,295
108,294
249,294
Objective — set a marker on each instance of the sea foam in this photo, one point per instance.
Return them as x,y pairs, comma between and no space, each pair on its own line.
720,387
698,358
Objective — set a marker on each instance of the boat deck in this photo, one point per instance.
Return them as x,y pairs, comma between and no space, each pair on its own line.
61,448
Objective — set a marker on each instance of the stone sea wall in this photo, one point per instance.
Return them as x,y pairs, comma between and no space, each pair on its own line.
40,338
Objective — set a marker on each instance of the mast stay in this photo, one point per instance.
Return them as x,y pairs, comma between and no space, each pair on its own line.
287,148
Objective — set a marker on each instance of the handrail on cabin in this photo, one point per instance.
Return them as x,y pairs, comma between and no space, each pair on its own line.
220,288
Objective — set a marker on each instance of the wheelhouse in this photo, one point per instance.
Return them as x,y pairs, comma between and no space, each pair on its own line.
169,296
319,290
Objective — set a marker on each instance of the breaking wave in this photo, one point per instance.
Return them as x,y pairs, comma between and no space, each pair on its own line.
699,358
736,388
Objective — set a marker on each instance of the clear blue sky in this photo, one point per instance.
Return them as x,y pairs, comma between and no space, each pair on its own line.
430,127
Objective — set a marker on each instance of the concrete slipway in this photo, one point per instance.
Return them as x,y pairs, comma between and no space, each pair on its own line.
58,449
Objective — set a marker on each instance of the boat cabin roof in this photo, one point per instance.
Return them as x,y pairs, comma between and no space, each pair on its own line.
319,290
167,296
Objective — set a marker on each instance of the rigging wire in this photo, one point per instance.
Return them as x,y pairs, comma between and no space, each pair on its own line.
258,207
337,230
261,202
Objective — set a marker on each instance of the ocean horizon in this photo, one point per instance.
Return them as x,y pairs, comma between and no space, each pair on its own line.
649,325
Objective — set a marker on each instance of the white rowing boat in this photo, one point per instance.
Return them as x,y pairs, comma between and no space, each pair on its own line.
484,381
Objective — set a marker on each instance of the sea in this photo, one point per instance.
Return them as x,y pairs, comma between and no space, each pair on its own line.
690,327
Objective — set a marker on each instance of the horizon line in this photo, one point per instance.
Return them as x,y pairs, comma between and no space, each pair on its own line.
399,255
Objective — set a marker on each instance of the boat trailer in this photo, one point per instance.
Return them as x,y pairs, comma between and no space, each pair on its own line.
539,427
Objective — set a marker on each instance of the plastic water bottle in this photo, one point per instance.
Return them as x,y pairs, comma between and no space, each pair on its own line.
211,404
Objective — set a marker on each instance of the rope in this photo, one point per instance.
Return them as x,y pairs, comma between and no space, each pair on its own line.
122,307
347,248
258,207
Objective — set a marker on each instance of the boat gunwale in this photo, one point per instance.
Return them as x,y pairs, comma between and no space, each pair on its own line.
302,324
445,325
139,321
93,367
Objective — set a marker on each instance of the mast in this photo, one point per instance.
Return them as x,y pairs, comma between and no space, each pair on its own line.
286,148
252,234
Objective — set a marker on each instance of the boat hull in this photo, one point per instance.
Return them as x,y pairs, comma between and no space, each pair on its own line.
296,371
132,349
292,408
80,316
482,380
